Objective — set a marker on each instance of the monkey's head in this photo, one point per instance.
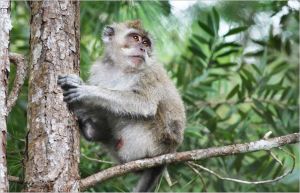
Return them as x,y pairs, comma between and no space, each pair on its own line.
128,44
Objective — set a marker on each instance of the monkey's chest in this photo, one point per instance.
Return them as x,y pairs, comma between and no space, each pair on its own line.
117,82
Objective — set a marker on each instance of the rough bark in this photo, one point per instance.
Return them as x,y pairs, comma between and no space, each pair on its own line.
265,144
52,158
21,72
5,27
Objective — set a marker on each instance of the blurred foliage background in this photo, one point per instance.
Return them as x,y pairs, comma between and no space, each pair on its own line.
236,64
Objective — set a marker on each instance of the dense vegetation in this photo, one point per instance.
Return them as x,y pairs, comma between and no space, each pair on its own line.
236,65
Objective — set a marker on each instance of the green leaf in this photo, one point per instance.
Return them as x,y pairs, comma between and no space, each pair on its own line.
246,82
285,93
206,28
256,69
227,44
210,23
269,117
261,115
249,75
197,51
227,53
280,67
216,17
236,30
259,42
238,162
181,74
258,104
233,91
288,47
278,171
226,65
254,54
191,133
200,39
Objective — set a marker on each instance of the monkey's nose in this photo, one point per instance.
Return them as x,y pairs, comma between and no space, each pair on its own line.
142,49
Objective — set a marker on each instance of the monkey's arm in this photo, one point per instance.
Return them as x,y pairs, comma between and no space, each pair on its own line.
119,102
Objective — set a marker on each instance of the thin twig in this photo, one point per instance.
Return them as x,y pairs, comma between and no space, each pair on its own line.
199,174
276,158
245,181
168,178
267,136
96,160
21,72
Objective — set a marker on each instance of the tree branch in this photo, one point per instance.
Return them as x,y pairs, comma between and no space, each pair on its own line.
15,179
21,72
264,144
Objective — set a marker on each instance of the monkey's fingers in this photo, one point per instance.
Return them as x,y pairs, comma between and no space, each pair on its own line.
66,85
61,80
61,76
73,76
69,79
71,98
70,91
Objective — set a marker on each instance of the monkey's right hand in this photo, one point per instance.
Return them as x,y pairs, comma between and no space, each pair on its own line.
67,82
74,89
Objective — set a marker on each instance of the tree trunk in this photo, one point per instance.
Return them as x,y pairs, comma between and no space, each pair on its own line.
5,27
52,159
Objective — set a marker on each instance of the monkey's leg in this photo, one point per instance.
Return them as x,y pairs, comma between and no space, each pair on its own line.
94,131
92,122
149,179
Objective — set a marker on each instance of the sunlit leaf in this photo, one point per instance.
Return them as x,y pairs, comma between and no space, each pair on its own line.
197,51
249,75
233,92
226,53
225,45
200,39
254,54
206,28
259,42
226,65
236,30
216,22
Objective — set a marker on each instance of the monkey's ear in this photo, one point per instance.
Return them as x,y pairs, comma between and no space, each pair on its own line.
108,33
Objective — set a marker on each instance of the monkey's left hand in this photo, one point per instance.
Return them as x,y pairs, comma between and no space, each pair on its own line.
74,90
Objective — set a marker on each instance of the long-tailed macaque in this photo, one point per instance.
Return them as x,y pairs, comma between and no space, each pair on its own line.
129,104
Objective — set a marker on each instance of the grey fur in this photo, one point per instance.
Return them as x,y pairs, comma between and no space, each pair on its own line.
131,107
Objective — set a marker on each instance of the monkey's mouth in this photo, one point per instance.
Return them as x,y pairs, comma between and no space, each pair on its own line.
138,57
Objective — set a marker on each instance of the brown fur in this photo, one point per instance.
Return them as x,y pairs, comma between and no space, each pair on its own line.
136,24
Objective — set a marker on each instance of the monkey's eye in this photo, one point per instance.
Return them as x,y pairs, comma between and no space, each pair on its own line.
146,43
136,37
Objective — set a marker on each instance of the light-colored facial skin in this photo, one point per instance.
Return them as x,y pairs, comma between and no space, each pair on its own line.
130,47
136,47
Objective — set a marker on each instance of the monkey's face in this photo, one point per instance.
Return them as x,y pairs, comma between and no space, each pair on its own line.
127,46
137,47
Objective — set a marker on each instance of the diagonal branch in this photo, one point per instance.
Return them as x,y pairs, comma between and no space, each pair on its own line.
15,179
21,72
264,144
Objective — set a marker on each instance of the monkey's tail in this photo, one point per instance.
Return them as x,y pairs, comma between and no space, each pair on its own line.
149,179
